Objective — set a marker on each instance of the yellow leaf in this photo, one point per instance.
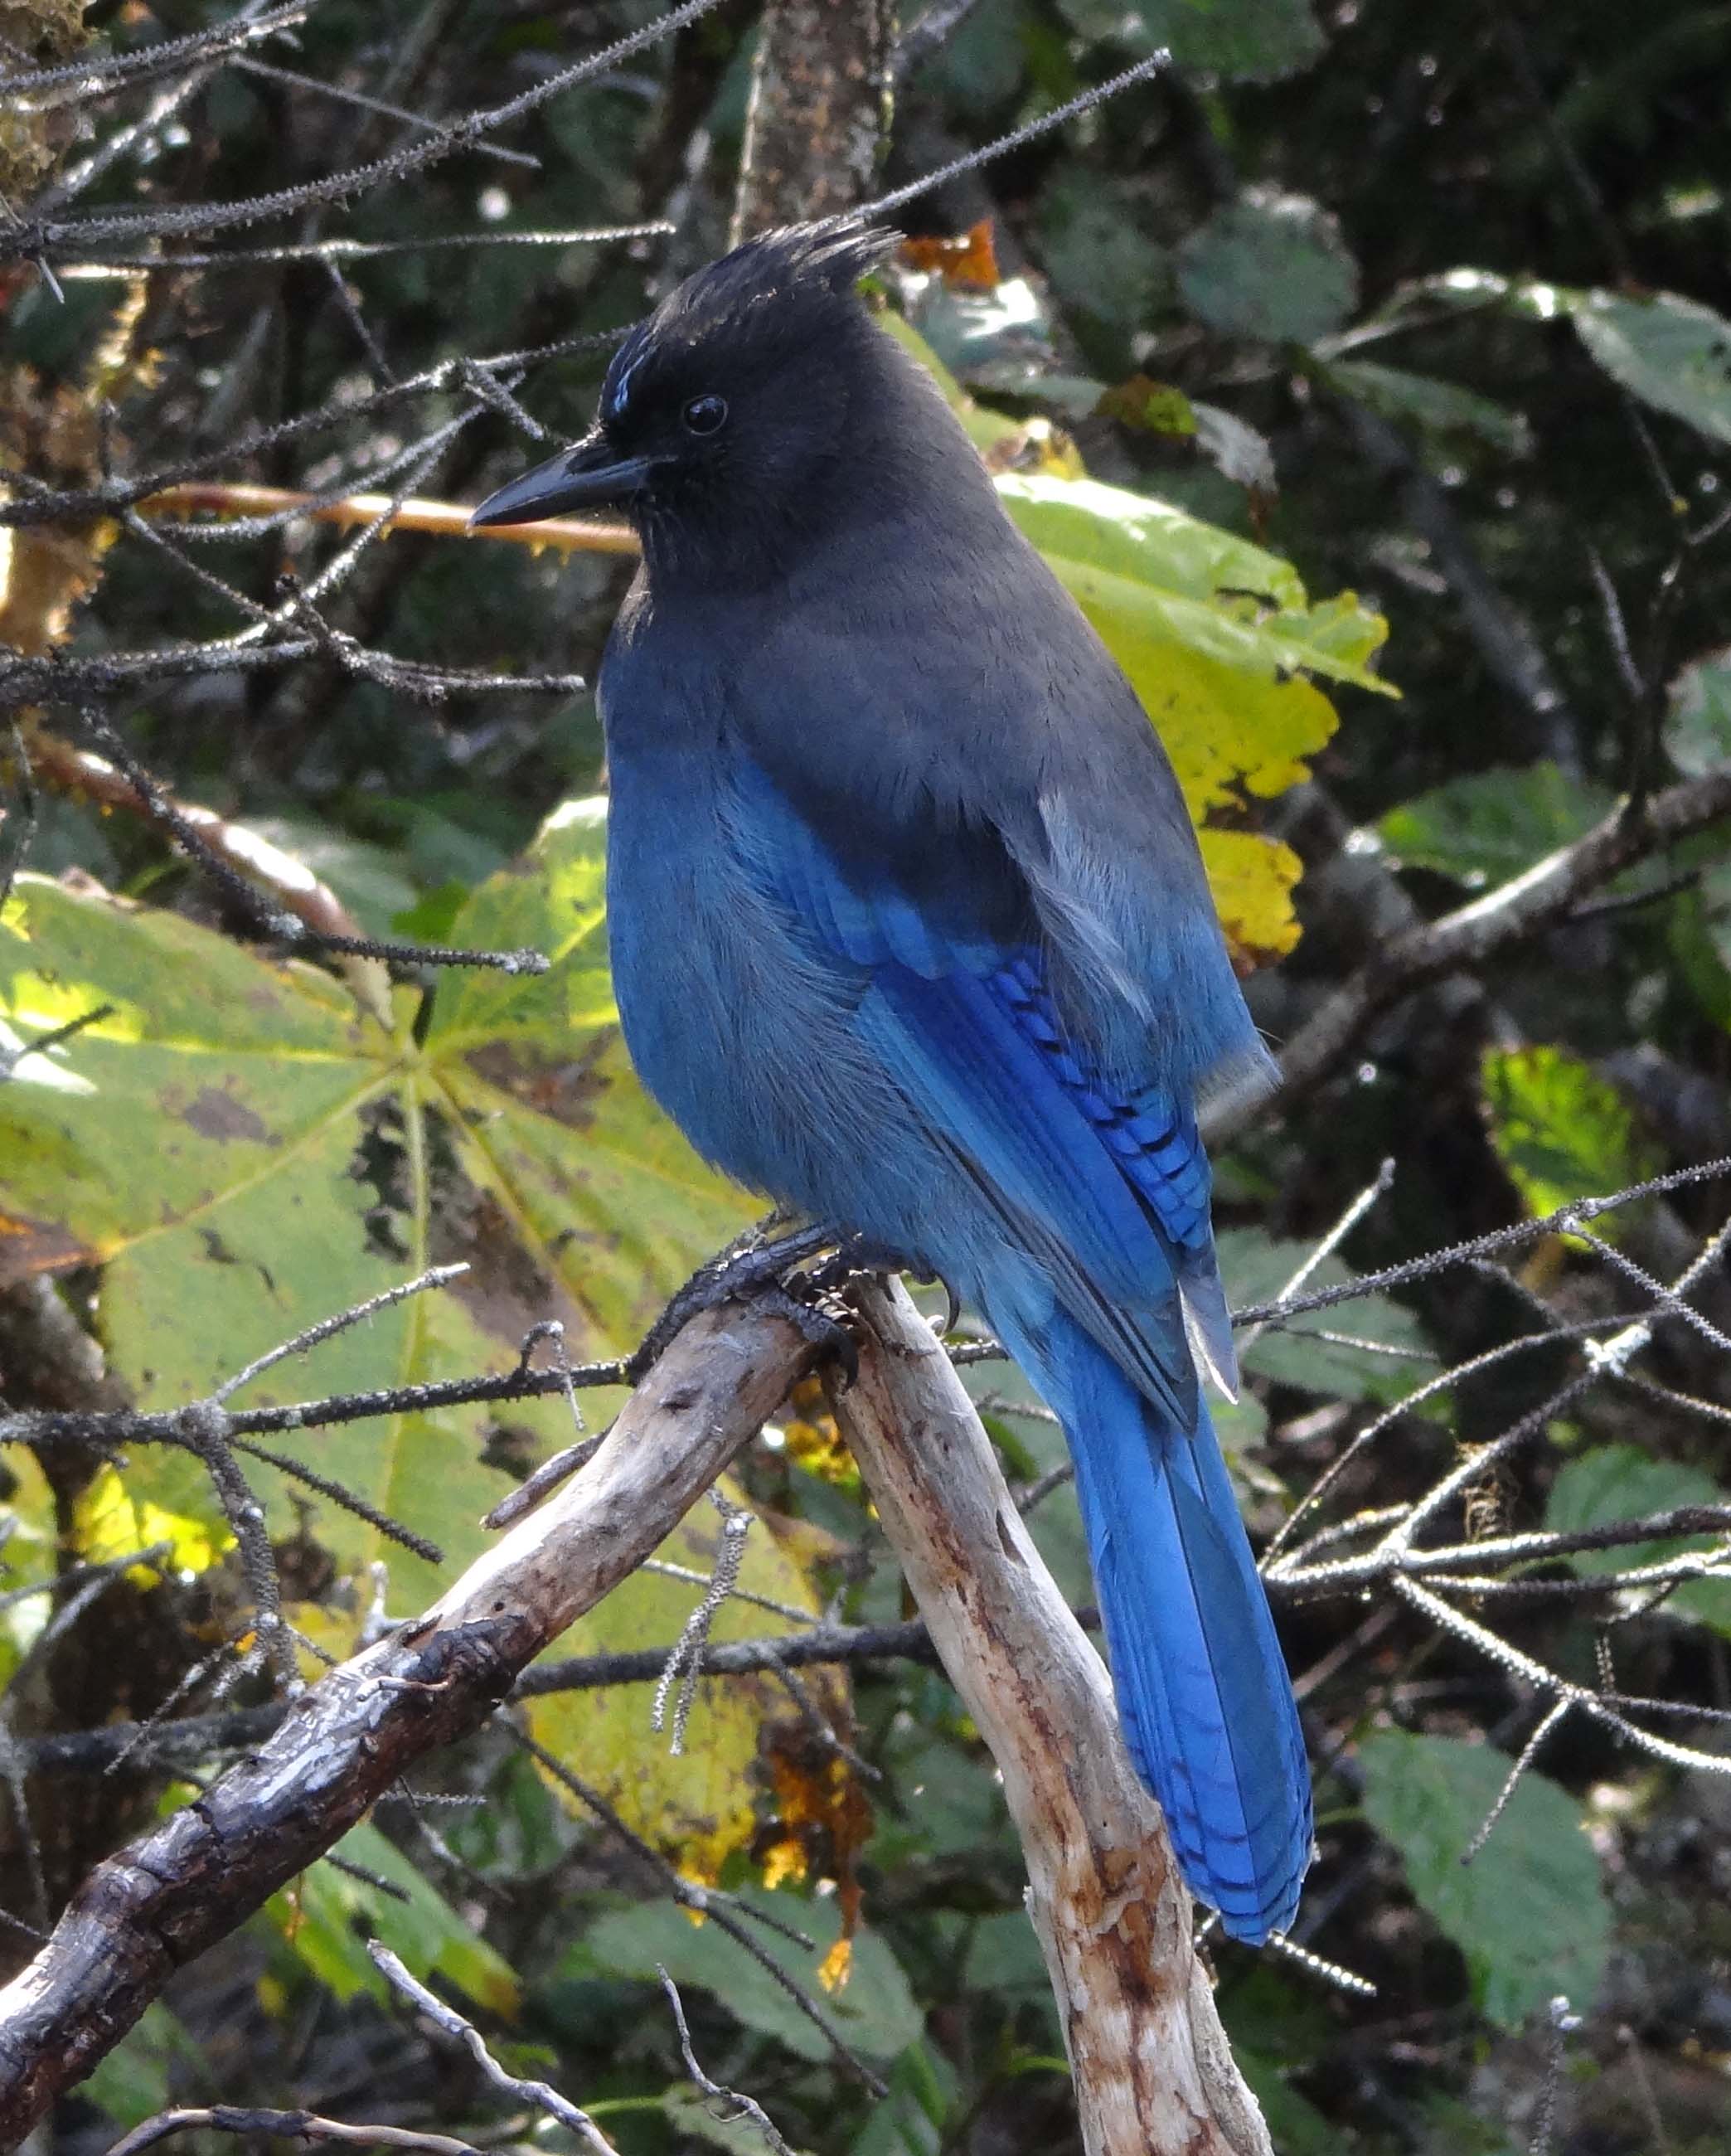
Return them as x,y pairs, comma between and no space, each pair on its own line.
1252,878
784,1862
1223,727
813,1440
108,1523
699,1807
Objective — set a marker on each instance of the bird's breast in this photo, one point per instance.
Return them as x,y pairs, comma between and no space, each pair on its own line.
721,1014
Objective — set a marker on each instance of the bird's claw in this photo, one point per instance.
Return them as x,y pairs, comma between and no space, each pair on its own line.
753,1269
800,1301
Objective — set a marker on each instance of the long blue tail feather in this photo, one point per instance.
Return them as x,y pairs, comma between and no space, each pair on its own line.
1203,1693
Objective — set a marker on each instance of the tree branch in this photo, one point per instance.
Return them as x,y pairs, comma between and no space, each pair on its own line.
145,1912
820,92
1473,933
444,519
1154,2075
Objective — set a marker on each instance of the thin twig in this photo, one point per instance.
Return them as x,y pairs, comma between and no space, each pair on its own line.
541,2094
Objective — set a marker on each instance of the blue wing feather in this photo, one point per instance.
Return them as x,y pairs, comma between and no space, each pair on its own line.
1102,1261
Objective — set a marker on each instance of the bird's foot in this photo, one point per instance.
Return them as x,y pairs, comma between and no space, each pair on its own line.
762,1268
855,1256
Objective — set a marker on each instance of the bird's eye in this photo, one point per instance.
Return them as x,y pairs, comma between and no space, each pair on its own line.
706,415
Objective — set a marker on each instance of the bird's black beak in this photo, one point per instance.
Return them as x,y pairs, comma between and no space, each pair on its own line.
587,476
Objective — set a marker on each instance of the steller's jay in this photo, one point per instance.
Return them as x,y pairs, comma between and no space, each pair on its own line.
910,932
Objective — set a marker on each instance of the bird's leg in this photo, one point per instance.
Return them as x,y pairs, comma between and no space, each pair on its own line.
752,1268
854,1254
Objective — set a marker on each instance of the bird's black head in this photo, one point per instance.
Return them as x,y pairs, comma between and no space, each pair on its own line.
727,416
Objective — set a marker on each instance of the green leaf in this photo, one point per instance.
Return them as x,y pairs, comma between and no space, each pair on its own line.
1530,1912
1097,253
1155,570
1560,1131
287,1157
874,2009
1671,352
1297,2127
694,2117
1256,1267
1247,40
919,2116
1004,1956
1493,824
1442,411
325,1915
1616,1483
1698,724
132,2082
1269,266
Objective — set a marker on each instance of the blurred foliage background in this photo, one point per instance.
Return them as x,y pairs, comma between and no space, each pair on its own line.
1413,317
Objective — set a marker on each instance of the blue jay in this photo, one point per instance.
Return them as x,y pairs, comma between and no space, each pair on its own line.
910,931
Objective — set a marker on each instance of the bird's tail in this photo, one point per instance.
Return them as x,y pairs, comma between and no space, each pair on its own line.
1203,1693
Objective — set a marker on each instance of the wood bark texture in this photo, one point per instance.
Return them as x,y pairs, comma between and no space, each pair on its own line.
1153,2073
145,1912
820,93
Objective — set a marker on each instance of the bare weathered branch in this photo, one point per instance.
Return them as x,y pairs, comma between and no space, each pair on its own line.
1153,2074
144,1912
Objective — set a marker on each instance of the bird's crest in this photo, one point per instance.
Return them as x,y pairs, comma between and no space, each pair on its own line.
775,286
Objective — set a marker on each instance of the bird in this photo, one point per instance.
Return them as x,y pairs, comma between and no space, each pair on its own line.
910,931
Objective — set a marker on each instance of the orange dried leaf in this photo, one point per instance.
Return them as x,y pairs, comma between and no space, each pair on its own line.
968,261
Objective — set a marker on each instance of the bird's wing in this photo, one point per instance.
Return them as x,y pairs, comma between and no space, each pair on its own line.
1107,1186
926,710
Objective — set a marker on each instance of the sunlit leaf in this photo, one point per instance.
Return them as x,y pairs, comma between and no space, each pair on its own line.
1252,880
107,1522
1214,635
1560,1131
1617,1482
287,1157
1492,825
1167,576
702,1805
